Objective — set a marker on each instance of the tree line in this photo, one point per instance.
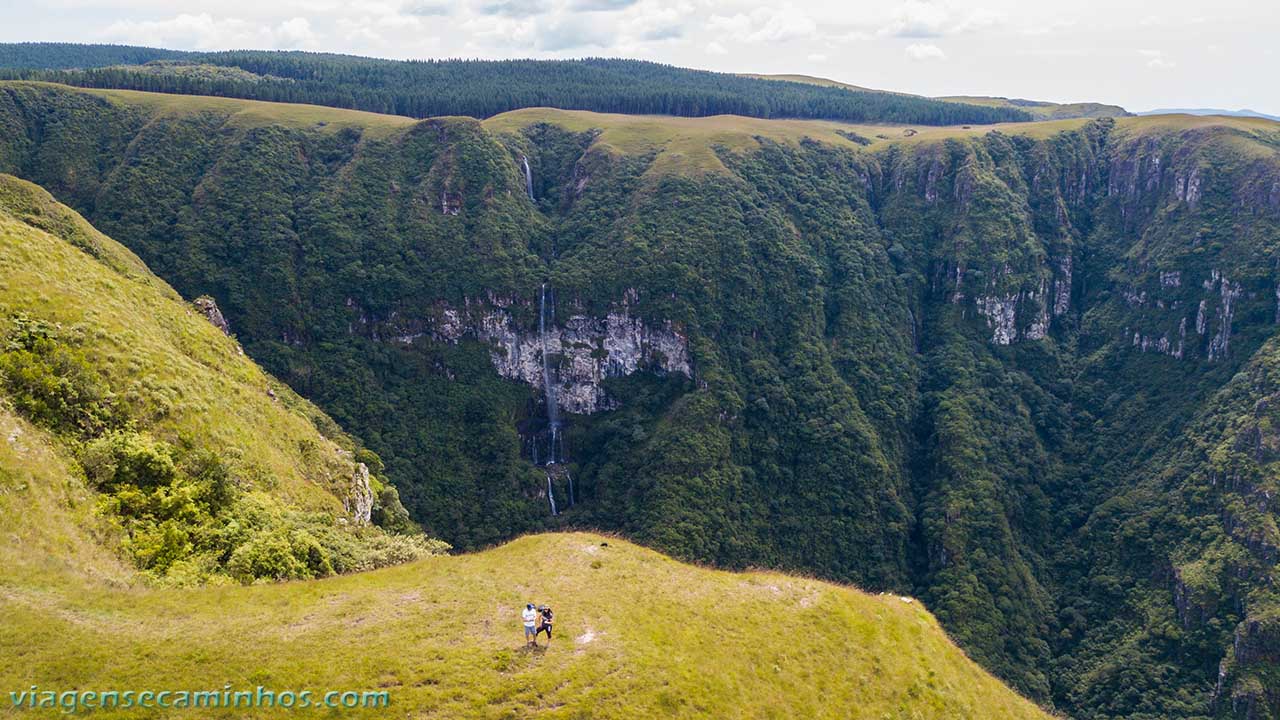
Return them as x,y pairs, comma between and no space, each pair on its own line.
476,88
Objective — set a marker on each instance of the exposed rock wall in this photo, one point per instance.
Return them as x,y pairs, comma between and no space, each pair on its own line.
584,350
209,308
359,499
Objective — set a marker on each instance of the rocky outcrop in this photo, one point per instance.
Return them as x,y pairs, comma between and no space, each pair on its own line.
584,352
1002,310
1186,186
1062,287
1170,300
1220,343
1001,314
450,203
209,308
1163,344
358,500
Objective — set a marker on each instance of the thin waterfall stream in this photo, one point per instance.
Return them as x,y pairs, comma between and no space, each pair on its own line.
554,442
548,386
528,176
554,462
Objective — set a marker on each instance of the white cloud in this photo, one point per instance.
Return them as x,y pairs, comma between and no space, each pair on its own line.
205,32
571,32
764,24
1041,29
486,32
427,8
1157,60
715,48
601,5
297,32
513,8
918,20
816,57
652,21
926,19
925,51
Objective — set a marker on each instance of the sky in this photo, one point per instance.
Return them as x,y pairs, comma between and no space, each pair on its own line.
1135,53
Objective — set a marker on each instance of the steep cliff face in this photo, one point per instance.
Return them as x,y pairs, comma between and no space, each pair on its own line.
585,350
1015,376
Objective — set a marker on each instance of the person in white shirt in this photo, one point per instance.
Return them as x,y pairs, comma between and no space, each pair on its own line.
530,617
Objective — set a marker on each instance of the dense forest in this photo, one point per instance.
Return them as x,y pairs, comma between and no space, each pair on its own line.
475,88
1031,381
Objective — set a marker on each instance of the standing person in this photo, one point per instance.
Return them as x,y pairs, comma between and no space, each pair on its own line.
546,617
529,616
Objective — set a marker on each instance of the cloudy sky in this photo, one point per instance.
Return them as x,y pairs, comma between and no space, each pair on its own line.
1136,53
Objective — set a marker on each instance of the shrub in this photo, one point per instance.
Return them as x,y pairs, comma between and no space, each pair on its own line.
51,382
128,458
268,555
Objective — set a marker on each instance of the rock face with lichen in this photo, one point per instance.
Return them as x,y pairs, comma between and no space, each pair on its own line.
585,351
209,308
359,497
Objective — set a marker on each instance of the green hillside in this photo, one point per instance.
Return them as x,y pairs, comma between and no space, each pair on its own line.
206,469
1042,109
1018,372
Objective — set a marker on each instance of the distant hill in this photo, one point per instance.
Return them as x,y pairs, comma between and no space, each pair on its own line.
1038,109
474,88
1044,110
1209,111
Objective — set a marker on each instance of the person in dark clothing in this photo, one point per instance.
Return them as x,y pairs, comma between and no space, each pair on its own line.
545,620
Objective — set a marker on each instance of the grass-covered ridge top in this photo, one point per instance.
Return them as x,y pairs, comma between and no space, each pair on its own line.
680,145
198,465
255,113
476,88
638,635
1037,109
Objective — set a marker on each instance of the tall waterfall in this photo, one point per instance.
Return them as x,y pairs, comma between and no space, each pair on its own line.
549,388
528,176
554,461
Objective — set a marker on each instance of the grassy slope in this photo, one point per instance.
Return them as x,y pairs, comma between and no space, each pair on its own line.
249,113
166,359
638,634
